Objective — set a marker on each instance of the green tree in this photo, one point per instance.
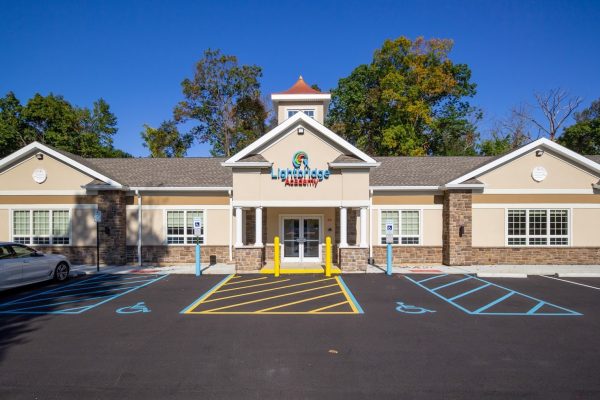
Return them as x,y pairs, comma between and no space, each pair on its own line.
54,121
166,141
584,136
410,100
220,91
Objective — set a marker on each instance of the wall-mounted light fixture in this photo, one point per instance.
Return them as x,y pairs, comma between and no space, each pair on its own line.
461,230
39,156
539,152
300,131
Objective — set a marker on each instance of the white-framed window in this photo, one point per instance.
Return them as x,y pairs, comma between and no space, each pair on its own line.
537,227
407,226
308,112
42,227
180,226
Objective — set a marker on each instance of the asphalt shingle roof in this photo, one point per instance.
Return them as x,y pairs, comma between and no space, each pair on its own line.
422,171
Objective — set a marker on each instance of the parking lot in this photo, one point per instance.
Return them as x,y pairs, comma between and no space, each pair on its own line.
255,336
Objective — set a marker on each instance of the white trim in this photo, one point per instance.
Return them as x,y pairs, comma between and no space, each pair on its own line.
300,96
181,189
40,147
535,205
296,203
463,186
47,206
287,124
25,207
408,206
44,192
542,142
548,236
538,191
176,207
403,188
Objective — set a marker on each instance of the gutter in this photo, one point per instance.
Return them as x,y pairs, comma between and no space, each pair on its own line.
182,189
353,165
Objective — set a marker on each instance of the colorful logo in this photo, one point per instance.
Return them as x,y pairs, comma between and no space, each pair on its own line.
300,158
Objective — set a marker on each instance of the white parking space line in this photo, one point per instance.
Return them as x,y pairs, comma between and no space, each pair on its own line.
574,283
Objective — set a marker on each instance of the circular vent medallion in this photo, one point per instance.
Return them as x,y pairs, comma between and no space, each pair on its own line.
539,174
39,175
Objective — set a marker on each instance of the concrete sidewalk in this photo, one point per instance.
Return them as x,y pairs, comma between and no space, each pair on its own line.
508,271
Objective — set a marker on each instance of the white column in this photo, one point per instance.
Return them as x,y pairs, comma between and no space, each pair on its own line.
238,227
343,229
363,227
258,227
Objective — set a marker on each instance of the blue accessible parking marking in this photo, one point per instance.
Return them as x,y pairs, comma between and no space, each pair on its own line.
476,296
80,296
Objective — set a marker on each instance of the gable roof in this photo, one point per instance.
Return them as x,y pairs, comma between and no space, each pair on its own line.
542,142
283,130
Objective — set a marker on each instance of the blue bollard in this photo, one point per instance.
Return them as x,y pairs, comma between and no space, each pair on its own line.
389,259
198,269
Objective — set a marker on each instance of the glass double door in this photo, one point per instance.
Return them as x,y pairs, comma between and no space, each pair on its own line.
301,239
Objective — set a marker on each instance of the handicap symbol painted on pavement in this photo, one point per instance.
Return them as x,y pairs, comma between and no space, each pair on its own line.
138,308
408,309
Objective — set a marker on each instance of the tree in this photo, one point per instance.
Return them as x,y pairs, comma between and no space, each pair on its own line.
54,121
556,106
166,141
508,134
410,100
215,98
584,136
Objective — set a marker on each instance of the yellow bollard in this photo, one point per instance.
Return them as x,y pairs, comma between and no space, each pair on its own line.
328,256
277,259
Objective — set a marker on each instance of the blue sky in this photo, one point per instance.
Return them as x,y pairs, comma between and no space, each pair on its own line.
134,54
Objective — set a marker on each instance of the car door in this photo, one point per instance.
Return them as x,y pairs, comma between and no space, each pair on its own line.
35,268
10,268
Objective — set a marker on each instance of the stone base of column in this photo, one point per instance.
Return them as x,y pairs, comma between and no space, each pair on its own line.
248,259
353,259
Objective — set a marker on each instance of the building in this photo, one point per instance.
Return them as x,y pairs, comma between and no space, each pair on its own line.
539,204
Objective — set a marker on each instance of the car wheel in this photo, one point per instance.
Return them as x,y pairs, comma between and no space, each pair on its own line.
61,272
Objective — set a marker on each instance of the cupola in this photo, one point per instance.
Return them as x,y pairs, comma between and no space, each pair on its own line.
301,98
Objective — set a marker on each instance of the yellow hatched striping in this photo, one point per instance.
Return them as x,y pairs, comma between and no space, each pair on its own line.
337,278
299,302
328,307
272,297
247,280
274,313
250,286
207,295
265,290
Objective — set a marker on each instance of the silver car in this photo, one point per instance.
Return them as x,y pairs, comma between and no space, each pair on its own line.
22,265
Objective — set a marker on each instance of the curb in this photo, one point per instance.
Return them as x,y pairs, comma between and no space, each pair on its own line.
501,275
579,275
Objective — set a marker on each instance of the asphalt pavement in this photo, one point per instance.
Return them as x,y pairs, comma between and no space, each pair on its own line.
399,337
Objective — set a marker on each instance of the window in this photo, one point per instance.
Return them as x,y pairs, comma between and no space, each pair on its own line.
537,227
310,113
43,227
22,251
180,227
406,226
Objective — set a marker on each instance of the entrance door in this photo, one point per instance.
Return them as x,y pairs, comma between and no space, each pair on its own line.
301,239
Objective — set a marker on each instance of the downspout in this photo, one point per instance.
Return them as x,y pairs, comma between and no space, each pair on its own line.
139,241
371,223
230,224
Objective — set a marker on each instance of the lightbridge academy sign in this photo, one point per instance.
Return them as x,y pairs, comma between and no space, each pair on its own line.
302,174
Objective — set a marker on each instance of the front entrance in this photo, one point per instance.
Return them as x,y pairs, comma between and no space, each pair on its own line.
301,237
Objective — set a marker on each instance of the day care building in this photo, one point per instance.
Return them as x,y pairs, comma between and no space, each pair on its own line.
301,182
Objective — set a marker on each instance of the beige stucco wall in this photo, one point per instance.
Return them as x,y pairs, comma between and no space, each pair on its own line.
217,227
83,227
562,174
258,185
180,199
421,198
488,227
586,227
59,176
431,225
4,226
283,106
537,198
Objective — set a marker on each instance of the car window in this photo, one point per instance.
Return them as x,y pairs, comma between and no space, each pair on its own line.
5,252
22,251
